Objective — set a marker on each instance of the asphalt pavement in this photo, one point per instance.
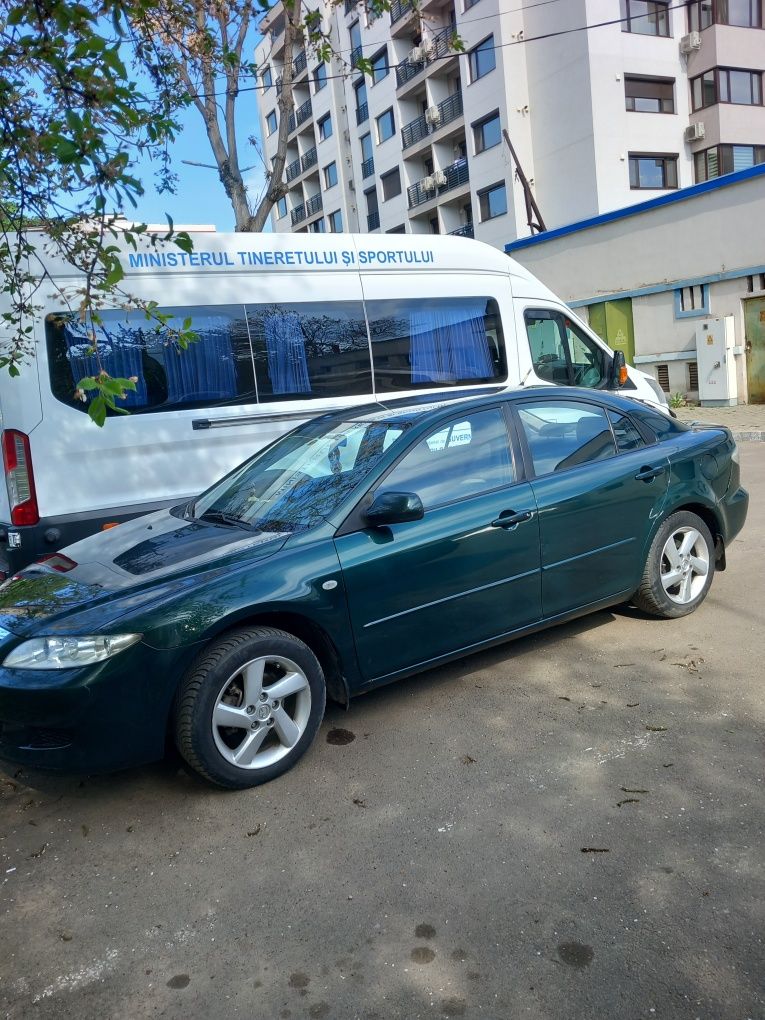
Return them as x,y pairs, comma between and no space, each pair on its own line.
570,826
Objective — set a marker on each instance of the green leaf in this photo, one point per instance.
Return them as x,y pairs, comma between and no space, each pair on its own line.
97,411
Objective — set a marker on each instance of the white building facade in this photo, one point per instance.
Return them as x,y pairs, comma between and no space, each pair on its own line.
651,97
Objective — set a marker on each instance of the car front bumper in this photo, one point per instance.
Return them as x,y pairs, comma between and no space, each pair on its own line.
93,719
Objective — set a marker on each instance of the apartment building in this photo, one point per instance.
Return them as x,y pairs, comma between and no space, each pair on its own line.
653,96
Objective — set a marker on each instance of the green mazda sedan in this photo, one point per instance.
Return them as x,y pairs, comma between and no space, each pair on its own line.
364,546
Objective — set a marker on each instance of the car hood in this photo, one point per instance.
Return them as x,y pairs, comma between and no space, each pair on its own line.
127,568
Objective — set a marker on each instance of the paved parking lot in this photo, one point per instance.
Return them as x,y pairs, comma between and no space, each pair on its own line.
567,827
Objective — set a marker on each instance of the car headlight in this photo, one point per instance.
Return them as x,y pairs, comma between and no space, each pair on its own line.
67,652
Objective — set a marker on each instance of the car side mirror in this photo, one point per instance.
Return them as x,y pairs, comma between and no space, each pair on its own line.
619,373
394,508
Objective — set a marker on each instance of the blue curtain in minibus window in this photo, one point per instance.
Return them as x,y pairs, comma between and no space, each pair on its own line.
449,344
285,347
119,348
205,370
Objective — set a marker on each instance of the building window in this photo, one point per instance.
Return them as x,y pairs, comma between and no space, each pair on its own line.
482,59
330,175
726,85
271,122
355,35
487,132
380,68
320,77
649,95
655,173
386,126
391,184
645,17
726,159
662,377
336,222
325,128
317,227
266,79
400,229
281,207
693,376
740,13
367,150
492,202
692,302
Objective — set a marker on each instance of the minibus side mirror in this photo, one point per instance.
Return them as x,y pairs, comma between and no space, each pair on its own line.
394,508
619,374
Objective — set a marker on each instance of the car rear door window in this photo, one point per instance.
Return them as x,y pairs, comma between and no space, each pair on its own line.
464,458
626,434
565,434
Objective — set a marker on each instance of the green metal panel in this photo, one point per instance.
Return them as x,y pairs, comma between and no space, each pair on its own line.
612,321
754,318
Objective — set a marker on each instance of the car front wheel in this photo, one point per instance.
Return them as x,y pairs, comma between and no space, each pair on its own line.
249,707
679,567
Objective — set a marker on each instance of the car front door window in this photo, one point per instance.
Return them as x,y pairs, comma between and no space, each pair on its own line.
561,352
465,458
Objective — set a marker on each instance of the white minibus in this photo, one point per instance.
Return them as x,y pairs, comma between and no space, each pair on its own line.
289,326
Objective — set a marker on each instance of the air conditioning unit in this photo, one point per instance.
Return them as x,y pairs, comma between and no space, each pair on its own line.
427,46
439,178
428,184
695,132
690,42
433,116
347,135
351,185
415,55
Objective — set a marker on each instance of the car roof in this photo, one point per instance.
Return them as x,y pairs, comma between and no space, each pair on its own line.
432,406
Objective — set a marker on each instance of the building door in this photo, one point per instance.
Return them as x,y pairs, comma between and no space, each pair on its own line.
754,331
612,321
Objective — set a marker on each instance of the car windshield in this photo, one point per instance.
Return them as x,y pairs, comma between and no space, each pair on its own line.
301,479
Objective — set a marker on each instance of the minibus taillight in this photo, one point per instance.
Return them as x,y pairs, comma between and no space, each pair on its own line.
17,460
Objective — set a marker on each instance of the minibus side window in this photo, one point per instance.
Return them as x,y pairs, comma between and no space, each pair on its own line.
310,350
436,342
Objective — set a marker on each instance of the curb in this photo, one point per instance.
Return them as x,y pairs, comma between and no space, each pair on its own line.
754,436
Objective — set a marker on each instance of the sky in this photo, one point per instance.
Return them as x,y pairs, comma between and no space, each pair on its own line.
199,196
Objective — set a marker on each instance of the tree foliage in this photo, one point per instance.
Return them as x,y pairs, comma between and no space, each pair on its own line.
82,98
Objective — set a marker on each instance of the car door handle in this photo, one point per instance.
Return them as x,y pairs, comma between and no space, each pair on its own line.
509,519
647,473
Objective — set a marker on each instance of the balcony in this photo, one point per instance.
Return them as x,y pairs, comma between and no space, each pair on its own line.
367,168
436,48
454,177
356,53
373,221
299,116
464,231
313,205
299,65
399,8
309,159
447,111
298,214
362,113
292,171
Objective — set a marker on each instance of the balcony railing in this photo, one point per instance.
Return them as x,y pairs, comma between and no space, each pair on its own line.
448,110
300,64
292,171
356,52
309,159
313,205
367,168
456,175
299,116
436,48
398,9
298,214
464,231
362,113
373,221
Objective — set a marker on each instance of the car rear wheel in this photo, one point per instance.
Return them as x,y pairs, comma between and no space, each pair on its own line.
249,707
679,567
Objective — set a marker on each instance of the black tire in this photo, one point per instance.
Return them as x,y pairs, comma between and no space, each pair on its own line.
216,674
651,596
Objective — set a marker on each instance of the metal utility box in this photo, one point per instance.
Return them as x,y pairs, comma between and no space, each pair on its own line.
715,340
